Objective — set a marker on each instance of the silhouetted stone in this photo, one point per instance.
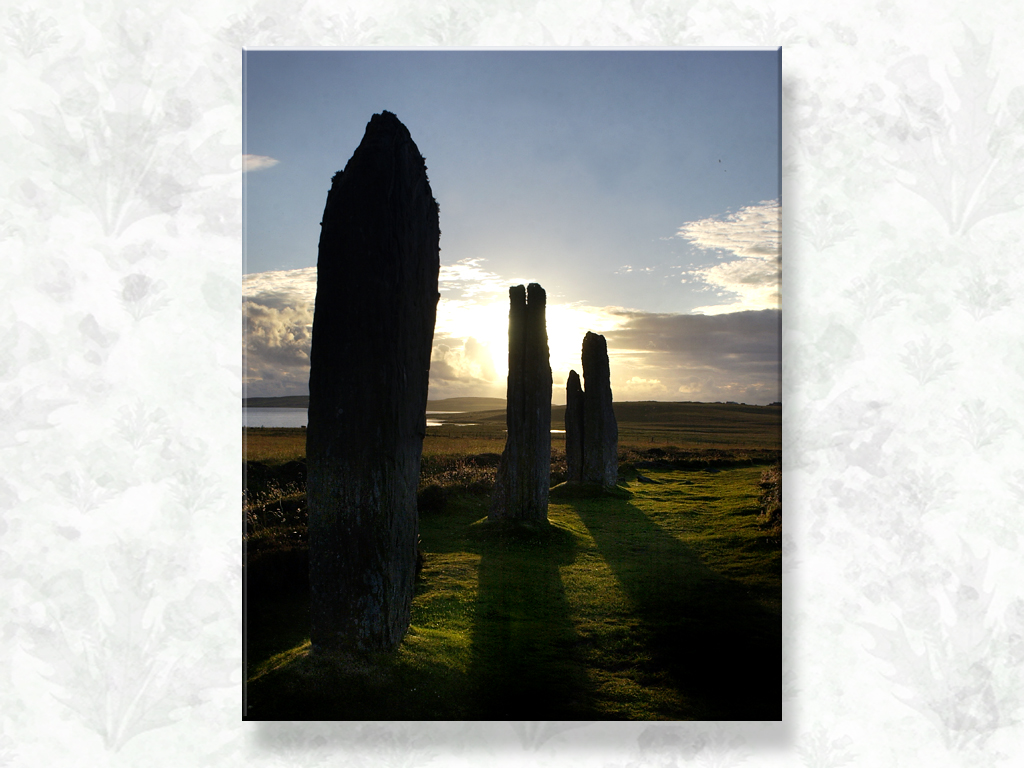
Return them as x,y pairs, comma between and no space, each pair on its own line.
574,398
373,326
524,471
600,430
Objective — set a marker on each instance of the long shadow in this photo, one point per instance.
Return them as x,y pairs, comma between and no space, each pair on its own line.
721,649
525,663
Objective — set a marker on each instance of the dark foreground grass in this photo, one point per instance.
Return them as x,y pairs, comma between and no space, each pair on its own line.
660,603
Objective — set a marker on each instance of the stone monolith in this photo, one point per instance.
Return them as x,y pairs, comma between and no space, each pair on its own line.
524,471
600,430
373,326
574,398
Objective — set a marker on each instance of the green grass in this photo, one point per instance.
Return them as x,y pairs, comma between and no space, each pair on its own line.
663,603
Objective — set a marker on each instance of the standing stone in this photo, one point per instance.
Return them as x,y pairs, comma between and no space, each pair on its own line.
524,472
600,430
574,398
373,326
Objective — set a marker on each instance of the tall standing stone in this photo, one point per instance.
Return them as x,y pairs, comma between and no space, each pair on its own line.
600,429
373,326
574,412
524,472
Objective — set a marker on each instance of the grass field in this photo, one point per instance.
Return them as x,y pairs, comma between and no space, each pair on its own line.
660,601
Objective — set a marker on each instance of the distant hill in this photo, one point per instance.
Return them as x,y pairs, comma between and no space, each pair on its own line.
638,412
291,401
446,405
635,412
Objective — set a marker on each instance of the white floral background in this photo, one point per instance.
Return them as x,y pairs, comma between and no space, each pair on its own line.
120,379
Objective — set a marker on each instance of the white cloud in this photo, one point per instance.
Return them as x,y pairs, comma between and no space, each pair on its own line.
751,277
257,162
468,280
278,312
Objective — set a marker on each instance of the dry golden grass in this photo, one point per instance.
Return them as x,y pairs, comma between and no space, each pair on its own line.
273,445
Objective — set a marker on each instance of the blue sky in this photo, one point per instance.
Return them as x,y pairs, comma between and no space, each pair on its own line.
635,186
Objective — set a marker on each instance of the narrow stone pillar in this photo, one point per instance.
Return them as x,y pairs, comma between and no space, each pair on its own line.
524,472
574,427
373,326
600,430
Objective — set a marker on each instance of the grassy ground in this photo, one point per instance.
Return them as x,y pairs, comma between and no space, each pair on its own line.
661,602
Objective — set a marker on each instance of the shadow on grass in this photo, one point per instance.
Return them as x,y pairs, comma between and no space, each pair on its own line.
719,647
525,664
517,661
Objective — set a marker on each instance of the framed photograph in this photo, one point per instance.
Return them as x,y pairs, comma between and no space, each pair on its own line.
512,385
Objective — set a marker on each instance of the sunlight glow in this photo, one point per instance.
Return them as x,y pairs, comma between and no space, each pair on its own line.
487,325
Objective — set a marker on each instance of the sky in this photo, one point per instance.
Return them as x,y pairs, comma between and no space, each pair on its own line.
639,188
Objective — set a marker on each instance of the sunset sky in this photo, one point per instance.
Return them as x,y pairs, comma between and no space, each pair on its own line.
639,188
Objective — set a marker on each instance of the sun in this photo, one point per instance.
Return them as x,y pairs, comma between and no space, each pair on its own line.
482,326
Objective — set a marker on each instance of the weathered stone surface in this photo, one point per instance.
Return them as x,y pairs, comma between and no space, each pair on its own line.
373,325
600,429
574,398
524,472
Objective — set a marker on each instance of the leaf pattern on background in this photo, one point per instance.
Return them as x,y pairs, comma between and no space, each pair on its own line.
193,491
873,297
670,24
924,488
140,295
350,29
818,750
967,161
1016,484
961,673
981,424
824,224
983,295
110,162
393,747
123,155
534,733
710,747
126,662
764,27
140,425
452,26
927,361
84,491
30,33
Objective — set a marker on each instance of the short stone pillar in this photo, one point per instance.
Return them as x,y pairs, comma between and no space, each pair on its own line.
574,414
591,431
600,429
524,471
373,328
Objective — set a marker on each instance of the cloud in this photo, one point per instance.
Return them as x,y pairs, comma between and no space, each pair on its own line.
257,162
278,319
750,279
467,280
464,361
731,356
727,356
